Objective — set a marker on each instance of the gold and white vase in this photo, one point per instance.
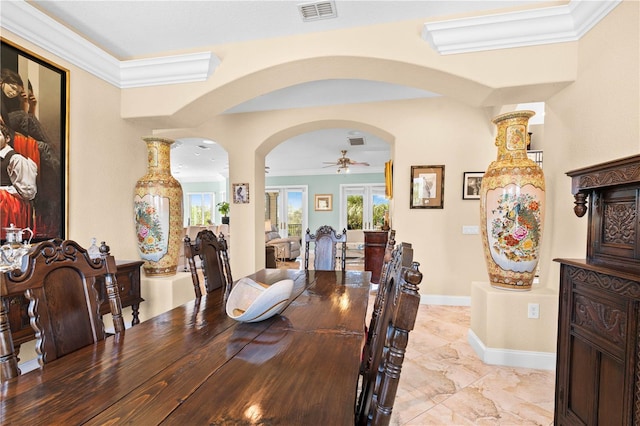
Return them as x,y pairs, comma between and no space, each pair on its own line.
512,198
158,211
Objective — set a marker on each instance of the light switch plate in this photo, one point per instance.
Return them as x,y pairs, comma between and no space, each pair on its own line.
470,230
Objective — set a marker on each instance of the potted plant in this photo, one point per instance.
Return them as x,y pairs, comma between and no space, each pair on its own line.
223,208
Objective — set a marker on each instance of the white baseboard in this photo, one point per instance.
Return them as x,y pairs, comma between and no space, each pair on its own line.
512,358
445,300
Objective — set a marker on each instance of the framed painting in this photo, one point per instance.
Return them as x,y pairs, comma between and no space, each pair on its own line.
324,202
388,179
427,187
471,185
240,193
35,119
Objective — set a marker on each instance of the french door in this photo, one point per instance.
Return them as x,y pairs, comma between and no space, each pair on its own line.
286,207
362,206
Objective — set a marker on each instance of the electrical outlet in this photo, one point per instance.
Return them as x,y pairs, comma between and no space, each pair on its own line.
533,310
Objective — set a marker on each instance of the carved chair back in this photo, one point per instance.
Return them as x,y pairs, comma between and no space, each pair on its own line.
325,242
214,257
59,280
384,316
392,260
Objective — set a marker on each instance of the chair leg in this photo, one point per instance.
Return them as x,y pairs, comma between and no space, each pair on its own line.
8,358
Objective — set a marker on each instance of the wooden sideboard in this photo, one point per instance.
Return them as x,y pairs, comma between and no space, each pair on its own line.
128,277
598,352
375,243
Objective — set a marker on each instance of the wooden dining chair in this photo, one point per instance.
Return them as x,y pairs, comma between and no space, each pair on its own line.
59,281
392,259
213,255
325,248
380,385
395,259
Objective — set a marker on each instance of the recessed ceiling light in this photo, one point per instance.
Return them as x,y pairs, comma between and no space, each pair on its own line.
208,142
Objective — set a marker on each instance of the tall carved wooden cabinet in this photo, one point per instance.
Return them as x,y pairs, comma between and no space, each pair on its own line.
598,354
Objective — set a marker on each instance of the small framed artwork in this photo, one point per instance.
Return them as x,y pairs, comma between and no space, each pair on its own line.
240,193
324,202
471,185
427,187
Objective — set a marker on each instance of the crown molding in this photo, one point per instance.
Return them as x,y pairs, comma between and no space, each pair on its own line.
500,31
326,171
36,27
555,24
167,70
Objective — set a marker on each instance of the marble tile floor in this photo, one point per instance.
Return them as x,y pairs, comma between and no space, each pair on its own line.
443,382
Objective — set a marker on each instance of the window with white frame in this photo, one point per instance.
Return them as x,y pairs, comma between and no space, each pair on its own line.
362,206
201,208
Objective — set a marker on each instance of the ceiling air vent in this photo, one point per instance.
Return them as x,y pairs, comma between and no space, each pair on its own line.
356,141
317,10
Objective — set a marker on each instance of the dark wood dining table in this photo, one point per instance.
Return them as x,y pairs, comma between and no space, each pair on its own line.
193,365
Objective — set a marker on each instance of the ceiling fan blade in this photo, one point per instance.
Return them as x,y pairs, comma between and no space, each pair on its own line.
357,163
330,165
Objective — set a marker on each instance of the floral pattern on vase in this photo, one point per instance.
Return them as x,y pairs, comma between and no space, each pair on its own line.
158,211
152,226
512,200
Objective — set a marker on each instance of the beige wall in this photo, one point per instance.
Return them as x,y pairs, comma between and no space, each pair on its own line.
596,119
593,119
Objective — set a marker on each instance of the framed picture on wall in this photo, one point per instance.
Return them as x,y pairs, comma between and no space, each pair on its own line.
35,115
324,202
427,187
388,179
471,185
240,193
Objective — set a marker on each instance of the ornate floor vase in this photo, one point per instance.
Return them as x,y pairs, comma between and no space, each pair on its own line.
158,211
512,199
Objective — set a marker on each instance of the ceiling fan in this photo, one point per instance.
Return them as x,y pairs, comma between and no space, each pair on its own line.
343,163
